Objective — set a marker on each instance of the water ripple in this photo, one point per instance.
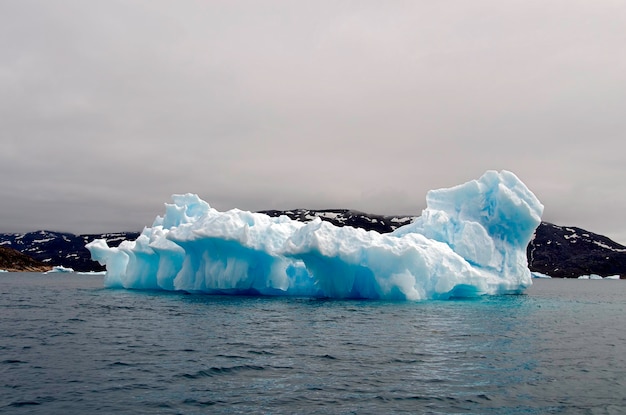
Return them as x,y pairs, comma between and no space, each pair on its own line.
80,349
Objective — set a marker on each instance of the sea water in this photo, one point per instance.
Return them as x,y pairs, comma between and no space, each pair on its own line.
69,346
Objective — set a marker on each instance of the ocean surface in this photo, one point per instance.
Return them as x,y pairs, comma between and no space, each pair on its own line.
69,346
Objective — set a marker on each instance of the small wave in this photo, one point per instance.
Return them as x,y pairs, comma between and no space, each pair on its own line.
261,352
39,401
19,404
128,387
420,398
216,371
120,364
195,402
63,333
230,356
12,361
406,361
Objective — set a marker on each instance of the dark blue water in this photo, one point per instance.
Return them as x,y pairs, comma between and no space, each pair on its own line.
67,346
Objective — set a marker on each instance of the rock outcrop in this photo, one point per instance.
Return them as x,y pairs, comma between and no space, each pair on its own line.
15,261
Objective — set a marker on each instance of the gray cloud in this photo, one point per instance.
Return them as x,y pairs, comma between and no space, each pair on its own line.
108,107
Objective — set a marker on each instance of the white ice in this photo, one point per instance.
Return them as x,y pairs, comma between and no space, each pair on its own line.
470,240
590,277
59,269
539,275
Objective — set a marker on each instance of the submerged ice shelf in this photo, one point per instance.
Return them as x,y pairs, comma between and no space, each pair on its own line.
470,240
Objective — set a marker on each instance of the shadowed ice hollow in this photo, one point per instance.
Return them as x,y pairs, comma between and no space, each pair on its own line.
470,240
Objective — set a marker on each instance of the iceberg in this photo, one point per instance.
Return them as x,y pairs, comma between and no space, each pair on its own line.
590,277
59,270
540,275
470,240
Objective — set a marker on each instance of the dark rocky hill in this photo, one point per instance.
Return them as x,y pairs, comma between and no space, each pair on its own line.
569,252
557,251
12,260
61,249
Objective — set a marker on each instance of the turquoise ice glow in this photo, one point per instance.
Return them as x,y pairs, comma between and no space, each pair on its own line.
470,240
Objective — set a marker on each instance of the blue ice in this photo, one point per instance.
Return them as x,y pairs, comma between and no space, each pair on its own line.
470,240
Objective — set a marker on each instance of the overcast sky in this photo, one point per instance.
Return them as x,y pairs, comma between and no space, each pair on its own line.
109,107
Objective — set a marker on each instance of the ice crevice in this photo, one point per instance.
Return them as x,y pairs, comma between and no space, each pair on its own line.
470,240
